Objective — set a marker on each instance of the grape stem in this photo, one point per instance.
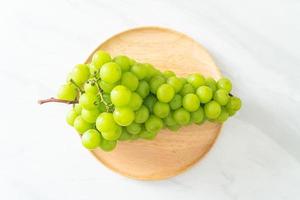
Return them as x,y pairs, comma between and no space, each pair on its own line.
52,99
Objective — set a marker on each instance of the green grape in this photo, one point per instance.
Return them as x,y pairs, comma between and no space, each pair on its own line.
110,72
107,145
176,102
77,108
150,101
198,116
153,124
134,137
90,115
143,89
147,135
204,93
130,81
90,87
123,116
234,103
141,115
91,139
112,134
71,116
139,70
221,96
174,128
187,89
88,101
170,121
80,74
123,61
210,82
191,102
225,84
161,109
106,98
183,80
196,80
156,82
223,116
125,135
134,128
165,93
105,122
150,71
120,95
212,110
101,107
94,71
100,58
230,111
67,92
81,125
135,102
107,87
168,74
181,116
175,82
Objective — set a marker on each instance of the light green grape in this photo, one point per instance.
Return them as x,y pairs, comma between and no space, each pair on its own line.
90,115
88,101
176,102
134,128
77,108
210,82
143,89
196,80
175,82
169,120
67,92
141,115
221,96
167,74
107,145
71,116
130,81
150,101
165,93
204,93
225,84
147,135
110,72
150,71
191,102
223,116
181,116
107,87
212,110
123,116
135,102
234,104
81,125
161,109
198,116
139,70
153,124
100,58
91,139
120,95
80,74
187,89
123,61
156,82
112,134
90,87
125,135
105,122
174,128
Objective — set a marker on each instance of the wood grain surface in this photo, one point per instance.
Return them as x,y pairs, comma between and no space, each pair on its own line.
169,153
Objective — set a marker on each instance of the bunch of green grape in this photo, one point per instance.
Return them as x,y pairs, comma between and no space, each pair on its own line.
118,99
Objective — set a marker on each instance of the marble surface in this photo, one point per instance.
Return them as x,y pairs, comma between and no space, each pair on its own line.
255,43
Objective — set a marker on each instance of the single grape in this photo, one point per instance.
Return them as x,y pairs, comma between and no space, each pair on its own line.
77,108
135,102
169,120
123,116
88,101
155,82
125,135
107,87
143,89
150,71
67,92
210,82
196,80
191,102
107,145
198,116
90,87
123,61
181,116
110,72
175,82
150,101
153,124
221,96
142,114
120,95
161,109
94,71
204,93
81,125
101,107
91,139
187,89
212,110
165,93
176,102
100,58
223,116
134,128
71,116
112,134
134,137
174,128
147,135
234,103
225,84
139,70
80,74
90,115
105,122
230,111
168,74
130,81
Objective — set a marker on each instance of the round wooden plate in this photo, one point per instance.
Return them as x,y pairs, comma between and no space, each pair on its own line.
169,153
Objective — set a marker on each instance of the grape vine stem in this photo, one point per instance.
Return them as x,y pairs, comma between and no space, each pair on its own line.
52,99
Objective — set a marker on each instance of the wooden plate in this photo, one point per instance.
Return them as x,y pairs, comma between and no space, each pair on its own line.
169,153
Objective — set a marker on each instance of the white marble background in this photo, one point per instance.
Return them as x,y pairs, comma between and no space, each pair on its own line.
255,43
